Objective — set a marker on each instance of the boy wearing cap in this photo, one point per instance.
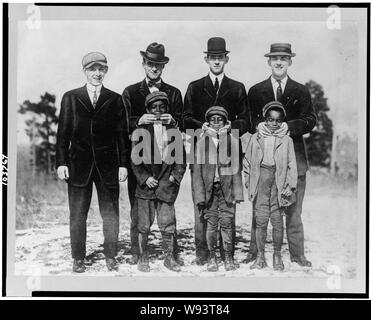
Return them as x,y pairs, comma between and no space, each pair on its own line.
93,147
158,180
153,63
301,119
217,186
214,89
271,179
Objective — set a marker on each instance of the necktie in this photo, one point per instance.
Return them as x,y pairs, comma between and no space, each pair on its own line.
216,85
279,91
95,99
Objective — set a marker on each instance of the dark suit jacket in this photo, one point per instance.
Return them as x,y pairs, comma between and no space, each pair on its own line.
204,171
88,136
201,95
135,95
300,115
166,191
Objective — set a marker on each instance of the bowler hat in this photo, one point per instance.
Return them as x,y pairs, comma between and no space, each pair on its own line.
216,110
280,49
155,53
273,105
155,96
216,45
94,58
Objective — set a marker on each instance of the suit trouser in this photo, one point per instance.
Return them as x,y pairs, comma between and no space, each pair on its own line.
294,224
219,214
202,250
134,213
266,207
79,199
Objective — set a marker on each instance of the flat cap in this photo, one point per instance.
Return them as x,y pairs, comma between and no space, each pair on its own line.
94,58
273,105
155,96
216,110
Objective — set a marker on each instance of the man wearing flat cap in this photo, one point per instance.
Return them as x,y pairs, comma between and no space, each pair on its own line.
154,61
93,147
214,89
301,119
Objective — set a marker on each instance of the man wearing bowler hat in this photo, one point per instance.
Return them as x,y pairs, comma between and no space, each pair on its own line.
154,61
301,119
214,89
93,147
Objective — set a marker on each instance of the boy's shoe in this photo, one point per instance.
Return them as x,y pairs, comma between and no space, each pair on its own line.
171,263
112,264
212,264
78,266
179,259
134,259
260,262
143,264
249,258
301,261
277,262
229,263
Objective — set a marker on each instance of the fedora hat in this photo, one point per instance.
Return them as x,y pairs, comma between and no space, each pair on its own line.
155,53
280,49
216,45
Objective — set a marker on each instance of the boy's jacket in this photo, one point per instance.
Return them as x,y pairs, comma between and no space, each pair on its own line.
286,170
166,190
204,173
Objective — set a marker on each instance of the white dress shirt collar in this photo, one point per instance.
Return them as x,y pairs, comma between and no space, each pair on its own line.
92,88
213,77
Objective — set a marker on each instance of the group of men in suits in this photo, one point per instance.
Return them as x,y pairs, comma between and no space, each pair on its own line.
95,124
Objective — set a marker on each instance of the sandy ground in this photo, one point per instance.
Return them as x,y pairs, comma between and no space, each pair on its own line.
330,224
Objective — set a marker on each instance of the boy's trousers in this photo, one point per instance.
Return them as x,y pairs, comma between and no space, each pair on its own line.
266,207
147,210
219,213
79,199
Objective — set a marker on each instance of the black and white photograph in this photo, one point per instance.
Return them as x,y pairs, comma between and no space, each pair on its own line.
187,149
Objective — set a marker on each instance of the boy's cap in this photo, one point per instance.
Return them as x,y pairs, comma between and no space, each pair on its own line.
155,96
94,58
271,105
216,110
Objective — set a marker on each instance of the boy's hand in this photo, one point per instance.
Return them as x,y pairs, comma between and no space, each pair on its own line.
63,173
123,174
172,179
147,118
167,118
151,183
287,193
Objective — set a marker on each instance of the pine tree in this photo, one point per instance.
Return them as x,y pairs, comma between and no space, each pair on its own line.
319,143
42,131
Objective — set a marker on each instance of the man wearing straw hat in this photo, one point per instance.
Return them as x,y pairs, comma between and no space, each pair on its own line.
301,119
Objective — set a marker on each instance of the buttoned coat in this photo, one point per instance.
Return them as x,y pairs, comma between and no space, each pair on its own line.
207,160
166,191
135,95
300,114
89,137
231,95
286,169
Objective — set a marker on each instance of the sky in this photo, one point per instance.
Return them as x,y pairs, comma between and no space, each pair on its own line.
49,58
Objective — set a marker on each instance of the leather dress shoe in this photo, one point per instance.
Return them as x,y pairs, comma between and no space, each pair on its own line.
112,264
249,258
301,261
201,261
78,266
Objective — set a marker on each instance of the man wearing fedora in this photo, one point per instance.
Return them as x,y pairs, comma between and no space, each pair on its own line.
301,119
154,61
92,147
215,89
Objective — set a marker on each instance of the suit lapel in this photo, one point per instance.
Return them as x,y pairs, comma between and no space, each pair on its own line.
103,99
84,99
224,88
143,89
209,88
267,90
288,93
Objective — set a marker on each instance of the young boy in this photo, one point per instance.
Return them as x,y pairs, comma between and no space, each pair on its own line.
271,177
158,180
217,186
